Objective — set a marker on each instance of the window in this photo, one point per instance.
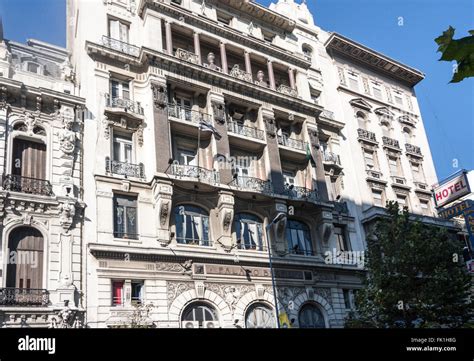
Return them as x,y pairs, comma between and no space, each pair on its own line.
187,157
402,200
310,316
125,220
28,161
349,299
33,67
398,99
118,30
377,92
299,238
192,225
342,242
268,36
407,133
361,120
425,207
123,148
417,171
199,315
119,89
224,18
117,293
183,107
137,292
393,164
289,178
377,195
249,231
386,129
259,316
307,52
369,157
354,82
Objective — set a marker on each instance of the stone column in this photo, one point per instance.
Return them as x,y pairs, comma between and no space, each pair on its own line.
161,125
291,74
271,75
225,67
162,199
273,162
197,47
248,63
318,158
169,38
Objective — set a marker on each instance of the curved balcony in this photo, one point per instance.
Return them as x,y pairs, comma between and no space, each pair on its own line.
253,184
195,173
413,150
121,46
17,183
122,105
301,193
245,131
125,169
187,114
23,297
391,143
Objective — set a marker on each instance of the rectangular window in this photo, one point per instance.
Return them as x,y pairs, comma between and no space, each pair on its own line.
187,157
398,100
125,217
137,292
183,108
117,293
402,200
119,30
348,299
377,195
342,242
224,18
369,159
377,93
417,171
119,89
123,148
353,83
425,207
393,163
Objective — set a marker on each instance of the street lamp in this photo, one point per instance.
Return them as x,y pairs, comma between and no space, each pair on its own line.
277,219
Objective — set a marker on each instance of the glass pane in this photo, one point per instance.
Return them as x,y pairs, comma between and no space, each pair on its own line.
117,155
114,88
127,153
131,221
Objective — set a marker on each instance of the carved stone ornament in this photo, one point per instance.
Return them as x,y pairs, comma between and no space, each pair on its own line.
270,127
313,138
219,112
67,210
160,95
67,136
66,318
106,127
227,219
164,213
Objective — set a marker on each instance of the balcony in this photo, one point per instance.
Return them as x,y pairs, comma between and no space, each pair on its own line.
23,297
366,135
375,175
399,182
413,150
186,56
245,131
195,173
238,73
17,183
285,89
124,105
331,158
292,143
125,169
390,142
341,207
121,46
253,184
187,114
301,193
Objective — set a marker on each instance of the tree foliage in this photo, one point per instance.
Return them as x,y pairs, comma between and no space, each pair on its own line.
460,50
415,276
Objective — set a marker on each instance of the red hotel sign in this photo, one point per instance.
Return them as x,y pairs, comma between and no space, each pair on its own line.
452,189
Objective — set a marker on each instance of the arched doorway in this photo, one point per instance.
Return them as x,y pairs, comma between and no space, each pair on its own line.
25,259
310,316
199,315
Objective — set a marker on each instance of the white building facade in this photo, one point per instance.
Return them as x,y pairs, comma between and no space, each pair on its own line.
207,119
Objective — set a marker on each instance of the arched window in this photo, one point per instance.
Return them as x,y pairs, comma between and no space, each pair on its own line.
361,120
199,315
192,225
310,316
386,130
259,316
299,238
407,133
249,231
26,244
307,52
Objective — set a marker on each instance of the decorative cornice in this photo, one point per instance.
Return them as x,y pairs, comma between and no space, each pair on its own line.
374,60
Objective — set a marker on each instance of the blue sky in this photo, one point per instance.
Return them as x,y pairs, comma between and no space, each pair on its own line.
447,109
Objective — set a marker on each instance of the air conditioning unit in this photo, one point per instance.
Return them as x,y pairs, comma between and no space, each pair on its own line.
210,324
190,324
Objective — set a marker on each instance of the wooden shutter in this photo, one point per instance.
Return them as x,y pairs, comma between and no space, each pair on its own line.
29,159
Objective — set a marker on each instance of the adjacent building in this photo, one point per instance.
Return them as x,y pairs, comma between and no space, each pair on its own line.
41,203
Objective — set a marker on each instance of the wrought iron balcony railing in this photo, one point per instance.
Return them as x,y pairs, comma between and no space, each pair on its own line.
17,183
253,184
291,142
187,114
194,172
194,242
413,149
250,245
301,252
238,73
330,157
341,207
390,142
125,169
186,56
250,132
285,89
301,193
126,104
23,297
365,134
121,46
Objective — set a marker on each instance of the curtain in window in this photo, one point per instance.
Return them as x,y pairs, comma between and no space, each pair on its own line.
249,231
192,225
